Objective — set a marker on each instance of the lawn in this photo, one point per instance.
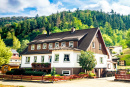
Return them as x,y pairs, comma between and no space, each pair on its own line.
9,86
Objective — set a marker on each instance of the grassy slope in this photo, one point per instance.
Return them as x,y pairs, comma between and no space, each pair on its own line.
126,56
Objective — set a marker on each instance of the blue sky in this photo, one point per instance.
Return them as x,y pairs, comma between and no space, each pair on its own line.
30,8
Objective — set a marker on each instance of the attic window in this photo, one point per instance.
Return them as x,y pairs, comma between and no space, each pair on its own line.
63,44
100,46
56,44
71,44
93,44
96,35
44,45
50,45
32,47
38,46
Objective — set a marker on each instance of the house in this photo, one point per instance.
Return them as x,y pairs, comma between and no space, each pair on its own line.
62,50
15,59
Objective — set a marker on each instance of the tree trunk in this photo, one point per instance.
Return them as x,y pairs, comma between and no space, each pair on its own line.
85,71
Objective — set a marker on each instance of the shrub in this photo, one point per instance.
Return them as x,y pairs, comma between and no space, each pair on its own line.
34,73
18,71
82,73
62,75
51,75
113,52
28,69
10,72
121,53
91,74
128,73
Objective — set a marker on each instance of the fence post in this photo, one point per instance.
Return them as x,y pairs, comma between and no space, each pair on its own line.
21,76
3,76
12,77
42,77
31,77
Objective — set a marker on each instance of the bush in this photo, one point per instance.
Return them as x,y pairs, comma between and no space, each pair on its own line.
62,75
34,73
128,73
82,73
113,52
91,74
10,72
121,53
51,75
28,69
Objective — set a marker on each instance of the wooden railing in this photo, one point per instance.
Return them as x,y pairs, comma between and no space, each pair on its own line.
42,78
122,77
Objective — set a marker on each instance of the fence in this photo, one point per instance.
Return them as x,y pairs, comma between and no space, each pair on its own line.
122,77
42,78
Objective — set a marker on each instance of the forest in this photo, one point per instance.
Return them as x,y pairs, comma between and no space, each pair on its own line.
16,32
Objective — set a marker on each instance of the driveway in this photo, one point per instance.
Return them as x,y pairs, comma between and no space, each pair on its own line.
99,82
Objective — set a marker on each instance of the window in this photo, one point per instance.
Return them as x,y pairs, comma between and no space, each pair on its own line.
96,35
35,59
50,57
10,60
27,59
42,59
109,66
63,44
93,44
32,47
66,57
111,51
50,45
44,45
78,56
38,46
71,44
15,60
100,46
101,60
56,57
56,44
66,72
115,66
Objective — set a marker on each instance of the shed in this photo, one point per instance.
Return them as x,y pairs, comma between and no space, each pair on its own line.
8,67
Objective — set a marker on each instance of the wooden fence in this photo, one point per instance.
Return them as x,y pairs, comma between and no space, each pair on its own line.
41,78
122,77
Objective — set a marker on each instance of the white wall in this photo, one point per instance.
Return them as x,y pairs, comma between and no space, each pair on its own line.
12,61
23,60
101,65
117,50
61,63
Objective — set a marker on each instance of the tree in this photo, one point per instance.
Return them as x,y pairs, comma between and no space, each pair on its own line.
16,43
107,39
128,39
53,72
87,60
9,36
5,53
23,45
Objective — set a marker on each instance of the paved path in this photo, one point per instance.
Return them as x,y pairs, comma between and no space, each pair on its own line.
99,82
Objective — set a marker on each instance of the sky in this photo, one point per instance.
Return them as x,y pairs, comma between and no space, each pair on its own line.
30,8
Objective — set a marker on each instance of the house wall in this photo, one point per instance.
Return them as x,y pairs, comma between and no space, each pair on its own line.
118,50
15,61
27,65
97,41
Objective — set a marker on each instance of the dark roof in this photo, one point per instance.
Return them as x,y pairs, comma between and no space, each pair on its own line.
84,36
63,36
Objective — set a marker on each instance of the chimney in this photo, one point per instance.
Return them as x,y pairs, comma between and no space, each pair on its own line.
73,30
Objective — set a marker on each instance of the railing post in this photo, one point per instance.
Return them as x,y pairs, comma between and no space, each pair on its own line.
12,77
21,76
31,77
42,77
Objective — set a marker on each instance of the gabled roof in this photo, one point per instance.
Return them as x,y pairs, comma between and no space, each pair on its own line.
63,36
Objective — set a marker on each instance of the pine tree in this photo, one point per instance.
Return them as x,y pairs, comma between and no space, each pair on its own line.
16,43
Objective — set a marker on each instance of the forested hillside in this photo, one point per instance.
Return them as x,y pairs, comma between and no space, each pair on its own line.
114,27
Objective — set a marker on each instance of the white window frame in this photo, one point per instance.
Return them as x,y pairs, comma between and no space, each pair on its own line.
55,57
56,46
38,46
78,58
70,44
49,45
93,44
32,47
41,59
34,59
26,59
44,47
62,43
100,46
109,66
49,59
100,60
66,70
69,58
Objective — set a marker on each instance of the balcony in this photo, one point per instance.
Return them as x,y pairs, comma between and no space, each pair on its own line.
41,66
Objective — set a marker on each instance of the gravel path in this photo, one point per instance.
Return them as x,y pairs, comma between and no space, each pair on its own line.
100,82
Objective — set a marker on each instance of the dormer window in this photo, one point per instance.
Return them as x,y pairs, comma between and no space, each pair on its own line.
38,46
32,47
50,45
93,44
71,44
56,44
100,46
96,35
63,44
44,45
